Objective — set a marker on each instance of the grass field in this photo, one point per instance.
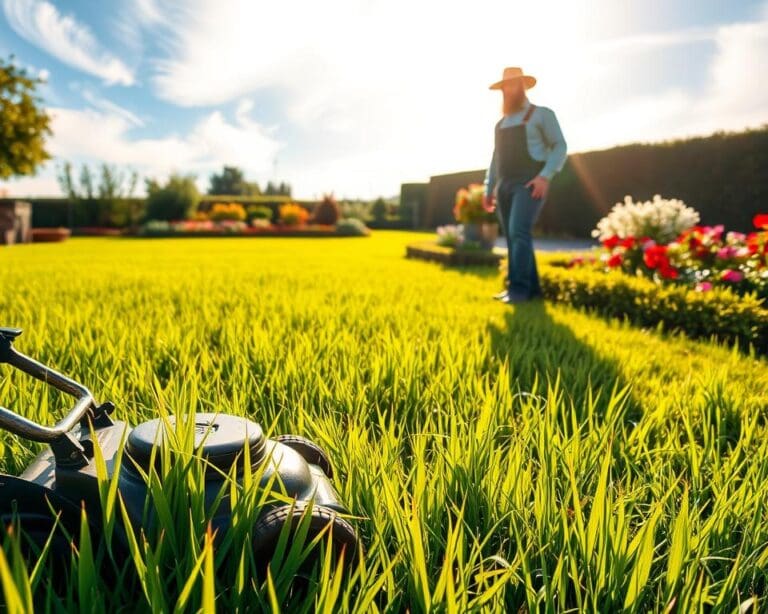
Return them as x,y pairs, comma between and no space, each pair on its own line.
499,459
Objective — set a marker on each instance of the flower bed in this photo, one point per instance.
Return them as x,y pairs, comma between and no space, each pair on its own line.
661,240
230,228
719,313
97,231
657,266
452,256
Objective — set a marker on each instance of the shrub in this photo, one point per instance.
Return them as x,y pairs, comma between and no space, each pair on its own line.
176,200
292,214
719,313
234,212
659,219
259,212
327,211
379,210
352,227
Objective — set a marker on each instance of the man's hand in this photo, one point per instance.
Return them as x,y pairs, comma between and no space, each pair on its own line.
539,187
489,202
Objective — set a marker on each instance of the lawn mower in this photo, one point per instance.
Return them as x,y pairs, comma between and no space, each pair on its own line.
63,477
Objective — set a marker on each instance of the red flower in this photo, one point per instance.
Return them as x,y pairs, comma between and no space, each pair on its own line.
668,272
614,261
628,243
611,242
761,221
655,256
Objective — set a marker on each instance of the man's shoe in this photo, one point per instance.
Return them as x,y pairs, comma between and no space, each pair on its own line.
515,299
501,295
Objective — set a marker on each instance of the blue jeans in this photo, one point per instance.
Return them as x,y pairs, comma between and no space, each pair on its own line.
518,212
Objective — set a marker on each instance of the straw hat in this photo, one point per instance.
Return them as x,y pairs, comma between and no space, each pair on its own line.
510,74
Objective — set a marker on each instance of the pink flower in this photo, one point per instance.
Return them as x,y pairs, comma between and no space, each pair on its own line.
732,275
735,237
704,286
726,253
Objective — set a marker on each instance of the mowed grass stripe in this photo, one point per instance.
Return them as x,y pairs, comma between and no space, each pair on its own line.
473,439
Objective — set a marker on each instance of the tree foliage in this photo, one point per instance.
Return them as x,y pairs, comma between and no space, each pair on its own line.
108,203
379,209
278,189
231,182
176,200
24,124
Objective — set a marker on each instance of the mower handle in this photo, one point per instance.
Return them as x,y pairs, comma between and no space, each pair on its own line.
23,427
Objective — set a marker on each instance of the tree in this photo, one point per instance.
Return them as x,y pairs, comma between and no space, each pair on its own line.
24,124
109,204
176,200
231,182
379,210
281,189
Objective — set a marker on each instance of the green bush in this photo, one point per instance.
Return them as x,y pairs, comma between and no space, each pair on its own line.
352,227
259,212
717,313
176,200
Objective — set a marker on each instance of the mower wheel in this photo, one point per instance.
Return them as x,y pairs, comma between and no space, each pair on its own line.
267,530
309,451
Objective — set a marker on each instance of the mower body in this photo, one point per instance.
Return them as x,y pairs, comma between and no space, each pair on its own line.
63,477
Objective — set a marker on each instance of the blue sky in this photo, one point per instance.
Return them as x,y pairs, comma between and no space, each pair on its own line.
356,97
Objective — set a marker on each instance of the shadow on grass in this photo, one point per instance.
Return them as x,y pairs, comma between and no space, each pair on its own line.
541,352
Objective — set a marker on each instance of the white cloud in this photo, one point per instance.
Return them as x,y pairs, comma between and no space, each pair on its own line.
380,92
393,90
733,97
212,142
110,107
65,38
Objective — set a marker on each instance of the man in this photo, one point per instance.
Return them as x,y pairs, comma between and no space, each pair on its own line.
529,150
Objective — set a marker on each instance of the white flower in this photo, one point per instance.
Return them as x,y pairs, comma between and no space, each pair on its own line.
659,219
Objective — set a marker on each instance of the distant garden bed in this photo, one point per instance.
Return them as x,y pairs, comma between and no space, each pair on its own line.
344,228
452,256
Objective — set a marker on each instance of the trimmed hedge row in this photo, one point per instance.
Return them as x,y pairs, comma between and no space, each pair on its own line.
57,212
717,313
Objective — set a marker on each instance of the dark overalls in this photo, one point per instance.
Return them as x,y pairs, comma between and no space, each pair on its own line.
517,209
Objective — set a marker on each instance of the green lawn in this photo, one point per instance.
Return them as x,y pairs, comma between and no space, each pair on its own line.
498,458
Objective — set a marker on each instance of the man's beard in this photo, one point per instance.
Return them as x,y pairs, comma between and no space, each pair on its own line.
513,103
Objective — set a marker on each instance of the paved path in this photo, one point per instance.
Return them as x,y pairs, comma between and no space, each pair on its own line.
554,245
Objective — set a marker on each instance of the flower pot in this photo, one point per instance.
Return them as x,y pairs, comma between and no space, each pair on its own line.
481,233
489,232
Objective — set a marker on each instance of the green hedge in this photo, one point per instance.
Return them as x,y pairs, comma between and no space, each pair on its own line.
722,176
261,199
55,212
718,313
